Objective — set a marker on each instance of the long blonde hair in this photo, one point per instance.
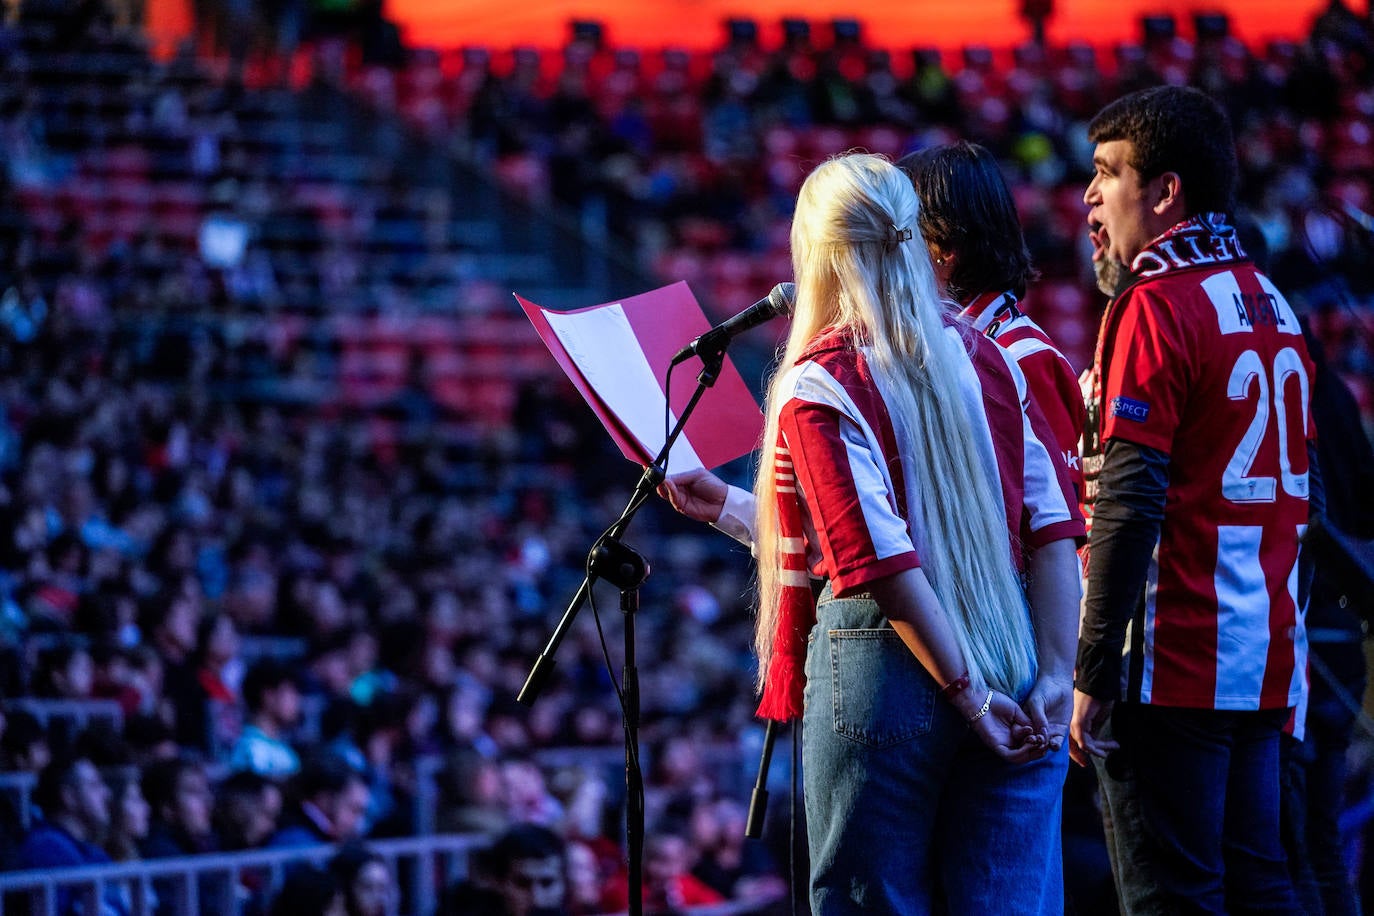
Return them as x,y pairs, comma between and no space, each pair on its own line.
853,271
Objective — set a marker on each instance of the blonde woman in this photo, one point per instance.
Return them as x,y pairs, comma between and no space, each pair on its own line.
905,488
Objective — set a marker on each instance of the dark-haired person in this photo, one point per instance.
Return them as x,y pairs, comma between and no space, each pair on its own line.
65,672
969,221
970,225
75,802
129,819
370,743
170,622
247,807
179,794
365,879
178,790
129,812
1199,418
521,874
209,715
273,700
24,743
329,805
908,480
973,231
309,889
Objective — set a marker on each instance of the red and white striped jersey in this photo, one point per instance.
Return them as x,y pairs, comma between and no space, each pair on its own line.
843,461
1204,360
848,504
1049,375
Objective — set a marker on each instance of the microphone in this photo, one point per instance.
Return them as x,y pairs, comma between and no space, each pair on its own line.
777,302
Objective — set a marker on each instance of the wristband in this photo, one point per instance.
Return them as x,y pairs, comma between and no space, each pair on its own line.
958,685
983,711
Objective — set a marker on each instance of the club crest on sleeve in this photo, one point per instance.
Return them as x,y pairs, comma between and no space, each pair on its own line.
1130,409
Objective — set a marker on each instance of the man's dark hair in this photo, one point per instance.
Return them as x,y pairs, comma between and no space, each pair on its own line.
243,784
1175,129
103,744
323,774
334,641
350,860
56,776
267,674
145,731
967,210
306,888
160,780
22,731
236,793
388,711
523,841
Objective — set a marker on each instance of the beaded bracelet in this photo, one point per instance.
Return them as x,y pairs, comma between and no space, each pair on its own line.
983,711
958,685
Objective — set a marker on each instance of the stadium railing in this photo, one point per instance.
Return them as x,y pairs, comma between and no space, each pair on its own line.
213,883
79,712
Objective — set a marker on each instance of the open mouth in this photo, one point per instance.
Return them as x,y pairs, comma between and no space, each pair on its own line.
1098,234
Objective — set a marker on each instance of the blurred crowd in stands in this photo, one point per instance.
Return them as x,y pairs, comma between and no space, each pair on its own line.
290,498
695,157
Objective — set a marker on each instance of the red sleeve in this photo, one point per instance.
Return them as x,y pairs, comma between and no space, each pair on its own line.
785,679
1147,374
861,536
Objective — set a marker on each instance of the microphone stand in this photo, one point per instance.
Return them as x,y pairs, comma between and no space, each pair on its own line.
612,560
758,799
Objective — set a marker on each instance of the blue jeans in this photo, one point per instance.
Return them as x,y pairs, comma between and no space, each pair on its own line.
1137,888
1207,783
906,811
1314,795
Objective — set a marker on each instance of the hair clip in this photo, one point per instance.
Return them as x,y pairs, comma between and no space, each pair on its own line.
895,236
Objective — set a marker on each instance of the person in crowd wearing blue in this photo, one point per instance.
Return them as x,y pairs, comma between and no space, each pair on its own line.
273,699
75,802
181,798
330,805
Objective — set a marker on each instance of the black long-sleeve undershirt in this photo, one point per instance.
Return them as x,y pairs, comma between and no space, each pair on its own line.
1126,519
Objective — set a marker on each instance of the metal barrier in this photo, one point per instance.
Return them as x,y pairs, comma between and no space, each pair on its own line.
80,712
20,787
280,648
730,767
213,884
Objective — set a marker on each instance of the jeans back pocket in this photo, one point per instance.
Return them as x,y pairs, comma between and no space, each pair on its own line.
882,694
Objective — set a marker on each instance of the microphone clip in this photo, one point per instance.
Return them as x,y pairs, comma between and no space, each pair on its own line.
711,345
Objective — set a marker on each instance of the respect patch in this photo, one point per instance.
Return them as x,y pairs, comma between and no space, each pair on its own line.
1130,409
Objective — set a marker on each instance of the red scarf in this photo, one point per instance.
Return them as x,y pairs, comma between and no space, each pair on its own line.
786,676
987,312
786,680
